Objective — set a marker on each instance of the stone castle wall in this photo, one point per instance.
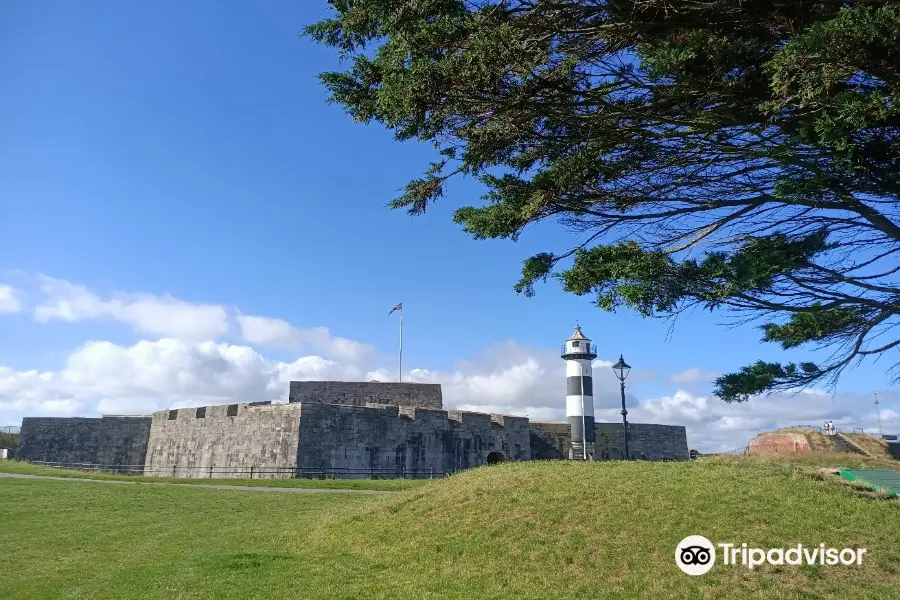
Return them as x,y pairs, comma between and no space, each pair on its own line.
327,428
120,441
549,440
259,439
310,439
646,441
389,441
359,393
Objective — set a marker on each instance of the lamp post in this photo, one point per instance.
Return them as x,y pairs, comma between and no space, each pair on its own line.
621,370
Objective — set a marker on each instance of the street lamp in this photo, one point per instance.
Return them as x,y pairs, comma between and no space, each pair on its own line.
621,370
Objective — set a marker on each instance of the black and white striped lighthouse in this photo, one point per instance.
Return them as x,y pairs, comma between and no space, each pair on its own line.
578,352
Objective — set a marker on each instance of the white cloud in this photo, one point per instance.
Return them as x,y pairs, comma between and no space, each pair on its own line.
276,333
9,302
171,317
264,331
101,377
146,313
693,375
513,379
154,375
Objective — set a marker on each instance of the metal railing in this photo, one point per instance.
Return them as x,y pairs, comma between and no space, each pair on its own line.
820,429
742,451
564,351
10,429
251,472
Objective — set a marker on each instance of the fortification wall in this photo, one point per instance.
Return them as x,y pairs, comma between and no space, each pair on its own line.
388,441
225,441
96,441
549,440
359,393
646,441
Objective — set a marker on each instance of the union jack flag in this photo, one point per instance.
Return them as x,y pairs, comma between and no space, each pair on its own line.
398,307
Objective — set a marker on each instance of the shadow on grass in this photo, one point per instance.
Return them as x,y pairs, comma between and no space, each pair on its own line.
244,561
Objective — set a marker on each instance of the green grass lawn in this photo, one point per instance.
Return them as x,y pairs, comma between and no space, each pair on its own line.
519,530
24,468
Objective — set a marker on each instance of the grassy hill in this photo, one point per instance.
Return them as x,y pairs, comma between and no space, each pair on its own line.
528,530
876,446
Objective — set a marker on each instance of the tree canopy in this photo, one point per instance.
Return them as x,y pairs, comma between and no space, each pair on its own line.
720,154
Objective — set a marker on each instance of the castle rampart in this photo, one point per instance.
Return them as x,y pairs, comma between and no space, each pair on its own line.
358,393
229,440
107,440
375,434
645,442
549,440
395,442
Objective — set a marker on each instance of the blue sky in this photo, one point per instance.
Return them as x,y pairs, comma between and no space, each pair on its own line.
187,150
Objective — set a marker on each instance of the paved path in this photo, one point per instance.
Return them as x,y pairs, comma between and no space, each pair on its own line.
240,488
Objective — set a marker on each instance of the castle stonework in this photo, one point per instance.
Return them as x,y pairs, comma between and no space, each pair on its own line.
406,441
345,429
229,440
118,441
360,393
645,441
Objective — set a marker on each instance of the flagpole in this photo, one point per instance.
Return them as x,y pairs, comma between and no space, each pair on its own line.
401,345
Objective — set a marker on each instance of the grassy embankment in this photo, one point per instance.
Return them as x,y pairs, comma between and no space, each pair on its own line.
820,442
524,531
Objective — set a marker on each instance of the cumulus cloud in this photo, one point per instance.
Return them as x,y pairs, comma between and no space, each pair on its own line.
265,331
146,313
690,376
102,377
171,317
521,380
9,302
276,333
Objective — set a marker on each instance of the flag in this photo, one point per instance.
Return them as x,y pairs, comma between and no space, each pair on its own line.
398,307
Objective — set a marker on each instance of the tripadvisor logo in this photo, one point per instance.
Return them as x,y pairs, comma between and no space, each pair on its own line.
695,555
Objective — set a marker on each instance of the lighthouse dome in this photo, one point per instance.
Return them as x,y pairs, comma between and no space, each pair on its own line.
578,346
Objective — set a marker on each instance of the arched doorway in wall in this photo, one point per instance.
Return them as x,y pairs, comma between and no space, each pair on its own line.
495,457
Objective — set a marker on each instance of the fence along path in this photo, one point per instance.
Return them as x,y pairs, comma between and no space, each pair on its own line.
252,472
239,488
